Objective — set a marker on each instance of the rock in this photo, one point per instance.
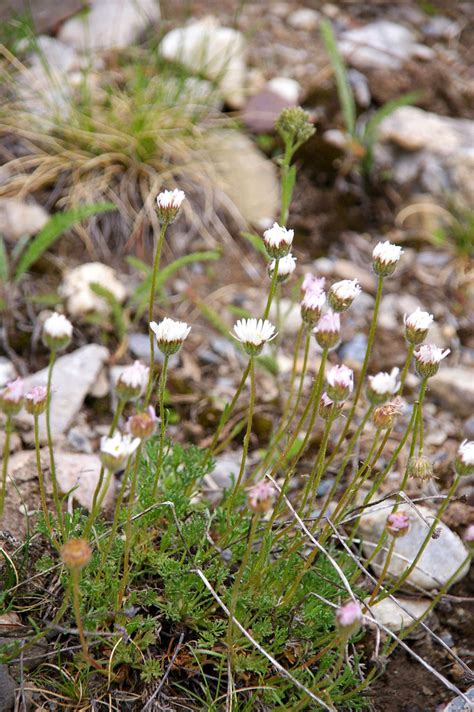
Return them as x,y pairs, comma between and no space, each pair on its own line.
249,179
79,441
7,371
453,388
7,690
288,89
304,19
45,14
468,428
139,345
225,472
290,315
353,352
19,218
459,704
393,308
436,151
440,559
80,299
262,110
360,87
398,617
101,386
110,24
441,27
73,377
205,47
381,44
80,472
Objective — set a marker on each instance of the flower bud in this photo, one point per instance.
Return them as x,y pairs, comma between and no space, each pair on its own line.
57,332
342,294
311,306
168,204
36,400
312,283
340,383
469,535
349,619
384,416
115,451
382,386
427,359
286,267
132,381
142,425
278,240
253,334
76,553
420,468
170,335
11,398
398,524
261,496
385,258
327,330
329,408
417,326
294,125
464,463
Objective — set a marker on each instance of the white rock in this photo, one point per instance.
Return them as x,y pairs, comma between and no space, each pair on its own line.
248,177
288,89
381,44
204,47
441,558
101,386
454,389
396,617
290,315
73,377
7,371
80,299
18,218
305,18
110,24
80,472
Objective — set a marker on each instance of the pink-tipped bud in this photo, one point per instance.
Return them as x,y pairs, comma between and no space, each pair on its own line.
261,496
132,381
342,294
286,267
36,400
349,618
327,330
340,382
168,204
142,425
398,524
277,241
11,398
427,359
311,306
464,463
329,408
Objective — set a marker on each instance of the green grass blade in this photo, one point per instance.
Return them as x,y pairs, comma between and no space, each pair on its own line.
344,89
256,242
53,229
3,261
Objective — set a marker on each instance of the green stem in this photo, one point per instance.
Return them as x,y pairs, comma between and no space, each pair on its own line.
383,573
403,377
248,431
273,288
154,274
6,457
128,531
42,490
161,451
310,491
115,522
54,482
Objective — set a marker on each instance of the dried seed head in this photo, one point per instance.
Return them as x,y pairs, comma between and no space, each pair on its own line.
384,416
398,523
76,554
420,468
329,408
142,425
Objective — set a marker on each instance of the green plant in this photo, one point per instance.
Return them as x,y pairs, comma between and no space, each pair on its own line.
362,134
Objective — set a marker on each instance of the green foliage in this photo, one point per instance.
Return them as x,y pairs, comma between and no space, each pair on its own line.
460,232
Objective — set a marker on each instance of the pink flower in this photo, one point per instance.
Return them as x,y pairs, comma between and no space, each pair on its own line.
312,283
469,534
328,329
349,616
11,398
36,400
340,380
261,496
311,306
428,357
398,523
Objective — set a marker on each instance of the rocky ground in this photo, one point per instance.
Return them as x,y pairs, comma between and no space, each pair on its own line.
420,195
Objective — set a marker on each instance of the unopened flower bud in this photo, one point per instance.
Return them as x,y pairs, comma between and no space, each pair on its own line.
329,408
420,468
464,463
294,125
170,335
382,386
327,330
36,400
342,294
253,334
312,284
427,359
469,535
277,240
349,619
286,267
385,258
142,425
340,383
384,415
57,332
76,553
261,496
115,451
417,326
311,306
132,381
168,204
11,398
398,524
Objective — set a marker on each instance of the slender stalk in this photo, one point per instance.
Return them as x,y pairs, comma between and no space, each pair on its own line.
273,288
42,490
54,482
370,341
248,431
128,530
75,577
156,267
404,374
161,398
317,470
6,456
115,522
286,192
383,573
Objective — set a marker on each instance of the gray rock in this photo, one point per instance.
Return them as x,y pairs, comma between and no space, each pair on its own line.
468,428
110,24
437,151
248,177
139,345
18,218
79,441
305,18
7,690
73,377
454,389
381,44
46,14
360,87
458,704
441,27
396,617
441,558
353,351
263,109
7,371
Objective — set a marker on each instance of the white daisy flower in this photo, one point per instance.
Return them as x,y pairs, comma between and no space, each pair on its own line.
170,335
254,334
